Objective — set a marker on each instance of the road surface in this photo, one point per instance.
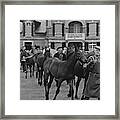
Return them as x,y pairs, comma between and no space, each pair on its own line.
30,90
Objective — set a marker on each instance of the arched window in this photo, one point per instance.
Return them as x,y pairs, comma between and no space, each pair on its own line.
75,27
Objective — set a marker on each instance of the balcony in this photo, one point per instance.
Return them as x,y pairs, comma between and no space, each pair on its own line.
75,36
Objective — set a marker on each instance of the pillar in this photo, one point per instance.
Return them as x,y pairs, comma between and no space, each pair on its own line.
83,46
66,43
49,44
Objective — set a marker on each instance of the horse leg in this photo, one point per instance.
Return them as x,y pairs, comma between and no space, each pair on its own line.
22,65
25,71
50,82
46,75
58,89
69,94
40,73
33,69
72,91
30,70
26,74
56,82
41,76
77,85
37,70
36,74
85,83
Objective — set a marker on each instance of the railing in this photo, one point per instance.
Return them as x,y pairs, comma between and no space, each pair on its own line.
74,36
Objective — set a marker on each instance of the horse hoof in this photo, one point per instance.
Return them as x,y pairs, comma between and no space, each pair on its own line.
76,97
85,98
40,83
47,98
69,95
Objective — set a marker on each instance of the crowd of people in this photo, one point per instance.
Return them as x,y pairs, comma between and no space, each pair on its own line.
93,82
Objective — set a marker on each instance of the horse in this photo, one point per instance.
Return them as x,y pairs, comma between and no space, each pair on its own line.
39,61
81,72
61,71
29,62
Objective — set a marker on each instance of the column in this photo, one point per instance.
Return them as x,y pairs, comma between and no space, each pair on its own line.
66,43
49,44
83,46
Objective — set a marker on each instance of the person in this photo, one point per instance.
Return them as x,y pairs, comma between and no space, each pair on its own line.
70,50
33,49
92,89
44,49
23,58
60,55
65,50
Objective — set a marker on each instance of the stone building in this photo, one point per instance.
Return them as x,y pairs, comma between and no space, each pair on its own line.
84,34
32,32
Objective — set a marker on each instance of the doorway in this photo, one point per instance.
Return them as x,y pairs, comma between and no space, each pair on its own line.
77,45
28,45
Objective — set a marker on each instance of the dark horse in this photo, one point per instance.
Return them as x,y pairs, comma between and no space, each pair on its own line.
28,63
61,71
81,72
39,61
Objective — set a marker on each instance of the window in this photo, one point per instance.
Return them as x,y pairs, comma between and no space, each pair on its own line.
28,29
52,45
63,44
53,29
86,46
93,29
75,27
62,29
58,29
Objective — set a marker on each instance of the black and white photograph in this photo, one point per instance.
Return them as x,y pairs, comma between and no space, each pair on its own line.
59,59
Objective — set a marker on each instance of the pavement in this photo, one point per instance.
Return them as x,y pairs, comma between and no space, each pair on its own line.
30,90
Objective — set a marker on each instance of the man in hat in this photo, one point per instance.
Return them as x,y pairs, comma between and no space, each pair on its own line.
60,55
92,89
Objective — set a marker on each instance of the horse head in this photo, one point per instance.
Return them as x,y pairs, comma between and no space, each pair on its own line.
81,57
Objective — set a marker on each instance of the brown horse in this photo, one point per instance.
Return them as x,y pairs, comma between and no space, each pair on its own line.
60,70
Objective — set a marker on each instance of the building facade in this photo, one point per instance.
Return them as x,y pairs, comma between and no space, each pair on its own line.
84,34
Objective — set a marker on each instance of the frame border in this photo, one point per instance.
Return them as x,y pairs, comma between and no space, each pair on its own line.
62,2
